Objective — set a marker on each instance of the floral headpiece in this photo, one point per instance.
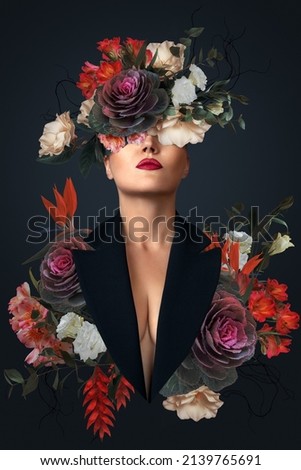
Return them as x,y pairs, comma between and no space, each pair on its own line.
141,88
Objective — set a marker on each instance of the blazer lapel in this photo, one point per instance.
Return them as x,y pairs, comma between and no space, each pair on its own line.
191,278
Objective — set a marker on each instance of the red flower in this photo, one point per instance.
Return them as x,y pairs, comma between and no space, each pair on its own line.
134,46
110,48
287,320
107,70
66,204
272,344
87,84
276,290
261,306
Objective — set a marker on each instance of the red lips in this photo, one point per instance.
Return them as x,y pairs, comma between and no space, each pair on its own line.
149,164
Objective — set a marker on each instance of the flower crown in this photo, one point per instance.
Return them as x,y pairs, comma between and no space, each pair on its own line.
141,88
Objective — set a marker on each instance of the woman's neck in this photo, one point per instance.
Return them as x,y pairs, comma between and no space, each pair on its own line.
147,219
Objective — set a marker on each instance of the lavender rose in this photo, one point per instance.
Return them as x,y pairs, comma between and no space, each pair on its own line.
59,283
128,103
227,337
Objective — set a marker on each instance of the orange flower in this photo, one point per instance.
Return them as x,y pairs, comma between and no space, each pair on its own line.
87,84
134,46
112,142
261,306
110,48
107,70
276,290
271,343
287,320
66,204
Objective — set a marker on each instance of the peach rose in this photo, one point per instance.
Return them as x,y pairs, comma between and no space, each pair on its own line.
56,135
196,405
165,59
174,131
85,109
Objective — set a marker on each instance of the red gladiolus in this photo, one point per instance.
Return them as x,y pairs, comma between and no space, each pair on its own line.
107,70
287,320
261,306
110,48
276,290
272,344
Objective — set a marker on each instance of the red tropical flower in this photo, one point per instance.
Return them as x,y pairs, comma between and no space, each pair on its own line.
261,305
287,320
99,406
123,393
107,70
276,290
66,204
272,344
87,84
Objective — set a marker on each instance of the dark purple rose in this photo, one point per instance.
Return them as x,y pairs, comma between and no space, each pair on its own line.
227,337
59,281
129,103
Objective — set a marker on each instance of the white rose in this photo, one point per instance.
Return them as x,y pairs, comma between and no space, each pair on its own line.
85,109
183,92
69,325
196,405
216,108
280,244
57,134
88,342
197,77
165,59
174,131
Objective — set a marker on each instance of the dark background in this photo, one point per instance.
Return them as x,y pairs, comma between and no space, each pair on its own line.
41,43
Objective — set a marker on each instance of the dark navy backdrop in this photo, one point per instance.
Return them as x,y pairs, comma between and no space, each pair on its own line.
40,44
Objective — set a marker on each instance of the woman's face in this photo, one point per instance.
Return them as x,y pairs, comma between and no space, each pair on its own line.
148,167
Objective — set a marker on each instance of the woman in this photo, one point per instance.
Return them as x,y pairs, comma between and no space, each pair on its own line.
148,284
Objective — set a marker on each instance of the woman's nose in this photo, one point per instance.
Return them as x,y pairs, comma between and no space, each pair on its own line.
150,145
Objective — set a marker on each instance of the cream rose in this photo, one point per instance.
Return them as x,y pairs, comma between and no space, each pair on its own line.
245,245
280,244
56,135
196,405
69,325
174,131
183,92
197,77
165,59
88,342
85,109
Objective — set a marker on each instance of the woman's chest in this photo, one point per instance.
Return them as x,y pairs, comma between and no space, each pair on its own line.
147,272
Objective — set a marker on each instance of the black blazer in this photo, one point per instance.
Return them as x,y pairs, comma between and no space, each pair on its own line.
191,279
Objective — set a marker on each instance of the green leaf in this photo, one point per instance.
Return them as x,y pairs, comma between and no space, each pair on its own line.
58,159
87,157
35,314
68,359
281,222
194,32
56,381
153,60
185,41
201,55
31,384
241,122
13,375
175,51
210,62
34,281
48,352
212,54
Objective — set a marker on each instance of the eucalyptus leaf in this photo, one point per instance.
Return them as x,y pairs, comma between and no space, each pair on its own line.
185,41
154,58
13,375
241,122
68,359
140,59
175,51
201,55
281,222
34,281
194,32
31,384
56,381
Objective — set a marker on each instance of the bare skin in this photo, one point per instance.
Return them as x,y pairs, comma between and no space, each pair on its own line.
149,195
